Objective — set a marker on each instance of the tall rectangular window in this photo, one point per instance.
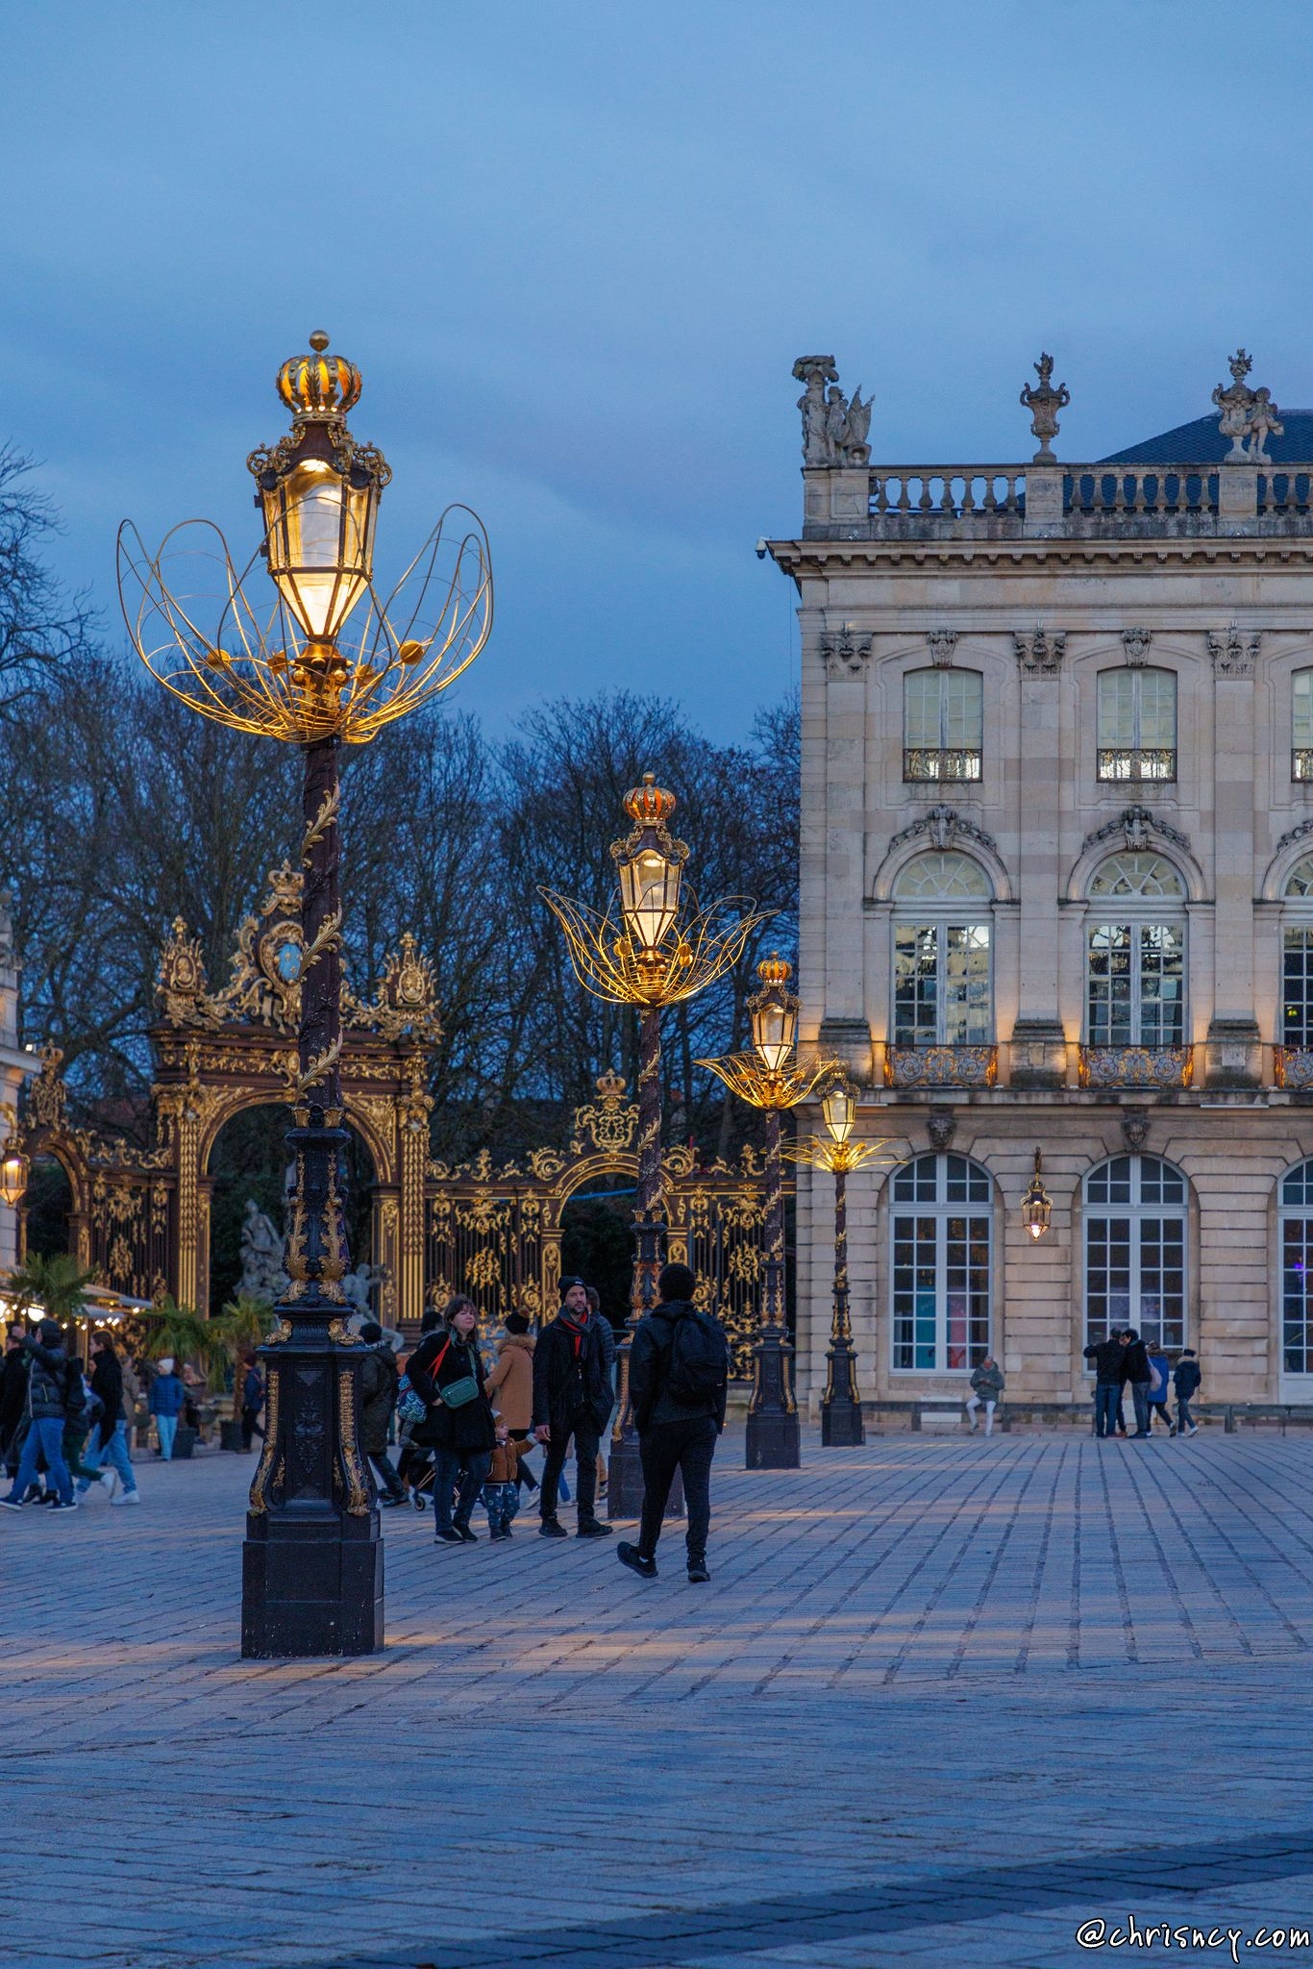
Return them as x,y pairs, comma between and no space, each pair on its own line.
1297,989
941,985
1301,720
943,724
1136,984
1137,725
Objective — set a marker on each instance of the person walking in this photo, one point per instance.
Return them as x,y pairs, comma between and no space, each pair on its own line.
1108,1356
510,1388
168,1396
378,1398
81,1414
678,1382
109,1441
572,1397
252,1401
1185,1379
45,1407
1159,1383
986,1386
607,1332
13,1397
446,1372
1135,1369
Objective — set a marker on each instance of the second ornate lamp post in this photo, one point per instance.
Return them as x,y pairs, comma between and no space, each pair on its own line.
648,960
768,1078
312,1564
841,1407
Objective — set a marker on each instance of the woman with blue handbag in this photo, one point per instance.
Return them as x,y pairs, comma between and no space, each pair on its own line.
446,1373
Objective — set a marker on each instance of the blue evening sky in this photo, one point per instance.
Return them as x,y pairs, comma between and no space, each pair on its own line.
575,246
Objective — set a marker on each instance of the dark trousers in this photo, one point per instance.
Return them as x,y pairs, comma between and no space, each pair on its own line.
1184,1419
1140,1396
585,1434
687,1447
251,1426
1107,1404
1160,1410
391,1482
471,1466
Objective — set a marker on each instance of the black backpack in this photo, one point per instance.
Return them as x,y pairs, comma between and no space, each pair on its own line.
699,1360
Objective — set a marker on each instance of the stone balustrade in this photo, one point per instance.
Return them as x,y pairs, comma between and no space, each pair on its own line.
911,502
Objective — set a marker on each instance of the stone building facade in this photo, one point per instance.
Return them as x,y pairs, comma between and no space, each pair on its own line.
1057,894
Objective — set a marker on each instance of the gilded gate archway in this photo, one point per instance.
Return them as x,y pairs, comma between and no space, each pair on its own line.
494,1231
141,1215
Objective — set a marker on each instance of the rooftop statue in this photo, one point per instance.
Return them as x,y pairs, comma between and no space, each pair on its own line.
834,430
1044,402
1245,414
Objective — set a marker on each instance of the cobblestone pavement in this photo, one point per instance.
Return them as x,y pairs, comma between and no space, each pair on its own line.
945,1699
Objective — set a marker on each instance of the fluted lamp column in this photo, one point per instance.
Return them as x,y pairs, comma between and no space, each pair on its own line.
770,1079
312,1562
648,959
841,1406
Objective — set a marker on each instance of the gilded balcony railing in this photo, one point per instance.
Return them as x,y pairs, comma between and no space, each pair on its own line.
940,1066
1293,1067
1141,762
1136,1066
931,762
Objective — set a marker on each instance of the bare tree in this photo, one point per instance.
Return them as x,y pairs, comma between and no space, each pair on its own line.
39,625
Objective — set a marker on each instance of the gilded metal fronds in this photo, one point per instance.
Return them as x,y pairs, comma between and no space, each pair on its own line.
841,1158
609,964
764,1087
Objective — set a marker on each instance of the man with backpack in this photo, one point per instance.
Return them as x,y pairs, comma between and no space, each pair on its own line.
379,1380
47,1408
572,1397
678,1380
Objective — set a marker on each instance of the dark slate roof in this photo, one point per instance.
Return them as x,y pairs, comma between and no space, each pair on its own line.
1201,443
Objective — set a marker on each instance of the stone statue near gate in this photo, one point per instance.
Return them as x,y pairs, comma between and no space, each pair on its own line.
358,1288
262,1276
834,430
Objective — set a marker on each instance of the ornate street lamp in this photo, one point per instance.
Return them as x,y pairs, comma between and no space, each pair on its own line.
312,1565
648,960
841,1407
14,1165
768,1078
1037,1204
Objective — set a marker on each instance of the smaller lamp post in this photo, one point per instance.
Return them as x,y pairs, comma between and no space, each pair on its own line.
14,1165
841,1408
648,960
1037,1204
768,1078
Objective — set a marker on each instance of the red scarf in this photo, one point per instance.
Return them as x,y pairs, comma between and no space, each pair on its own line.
576,1333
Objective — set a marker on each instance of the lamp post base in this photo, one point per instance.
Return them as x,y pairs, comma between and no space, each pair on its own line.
774,1441
842,1426
309,1595
625,1487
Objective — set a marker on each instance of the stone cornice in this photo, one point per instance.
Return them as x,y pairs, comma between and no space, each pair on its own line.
801,558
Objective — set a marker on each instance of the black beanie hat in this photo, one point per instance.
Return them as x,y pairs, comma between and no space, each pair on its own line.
675,1282
371,1333
52,1333
517,1323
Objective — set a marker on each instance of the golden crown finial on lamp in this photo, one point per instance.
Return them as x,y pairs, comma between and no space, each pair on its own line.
649,805
318,387
774,970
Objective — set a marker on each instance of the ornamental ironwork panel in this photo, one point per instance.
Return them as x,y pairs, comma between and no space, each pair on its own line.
1136,1066
494,1230
131,1233
930,762
940,1066
1294,1067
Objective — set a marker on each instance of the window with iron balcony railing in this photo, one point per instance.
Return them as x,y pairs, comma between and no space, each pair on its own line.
1137,725
943,725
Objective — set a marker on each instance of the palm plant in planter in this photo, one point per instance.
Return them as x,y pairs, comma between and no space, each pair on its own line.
56,1285
243,1325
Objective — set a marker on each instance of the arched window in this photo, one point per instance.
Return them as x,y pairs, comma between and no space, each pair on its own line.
943,724
1296,1231
1297,958
941,1231
1301,725
941,952
1135,1249
1135,980
1137,724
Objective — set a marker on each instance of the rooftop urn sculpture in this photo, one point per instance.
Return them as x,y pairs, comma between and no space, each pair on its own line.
1044,402
1247,414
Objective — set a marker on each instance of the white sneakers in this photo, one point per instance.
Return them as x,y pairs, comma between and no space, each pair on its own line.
128,1497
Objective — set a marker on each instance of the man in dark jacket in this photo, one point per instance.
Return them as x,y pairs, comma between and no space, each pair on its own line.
47,1397
678,1380
378,1398
13,1400
109,1441
1136,1370
572,1397
1107,1356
